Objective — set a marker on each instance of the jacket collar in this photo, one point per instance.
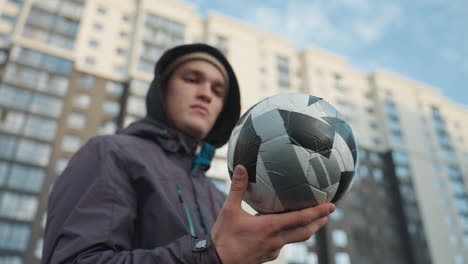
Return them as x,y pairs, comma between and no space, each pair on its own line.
169,139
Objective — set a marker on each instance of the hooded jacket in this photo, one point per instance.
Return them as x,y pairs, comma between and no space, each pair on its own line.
141,195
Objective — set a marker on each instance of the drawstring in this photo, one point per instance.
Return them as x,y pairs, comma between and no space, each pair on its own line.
187,212
203,158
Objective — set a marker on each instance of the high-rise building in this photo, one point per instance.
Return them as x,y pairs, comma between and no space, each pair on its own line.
72,69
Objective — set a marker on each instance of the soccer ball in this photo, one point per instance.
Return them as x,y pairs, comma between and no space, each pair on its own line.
298,151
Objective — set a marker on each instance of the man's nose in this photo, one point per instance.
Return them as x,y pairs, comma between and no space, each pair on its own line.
204,92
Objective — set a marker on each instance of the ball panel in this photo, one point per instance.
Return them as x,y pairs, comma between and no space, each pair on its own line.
331,191
309,132
303,156
345,184
301,196
246,149
286,172
346,155
344,130
231,146
260,196
269,125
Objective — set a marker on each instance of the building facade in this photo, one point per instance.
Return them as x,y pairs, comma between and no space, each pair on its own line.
73,69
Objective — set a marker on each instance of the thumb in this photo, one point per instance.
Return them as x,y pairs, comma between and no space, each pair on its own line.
238,186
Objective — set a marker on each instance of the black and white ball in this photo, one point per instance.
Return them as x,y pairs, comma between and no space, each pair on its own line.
298,150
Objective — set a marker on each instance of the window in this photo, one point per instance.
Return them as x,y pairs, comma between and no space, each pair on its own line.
10,259
60,165
26,178
141,88
136,106
13,237
444,201
46,105
81,101
18,206
125,35
337,215
56,85
87,81
448,220
3,57
38,250
374,157
33,152
127,18
339,238
440,184
90,61
122,52
295,253
407,192
362,154
222,43
97,27
114,88
282,64
101,10
312,241
7,145
342,258
94,43
454,240
128,120
363,171
40,128
145,66
4,167
378,174
71,143
107,128
371,125
11,121
119,69
13,97
400,157
76,121
111,108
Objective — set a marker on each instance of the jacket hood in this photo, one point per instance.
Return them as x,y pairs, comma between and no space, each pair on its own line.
230,113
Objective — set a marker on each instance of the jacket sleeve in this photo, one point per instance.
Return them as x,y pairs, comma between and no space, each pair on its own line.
92,211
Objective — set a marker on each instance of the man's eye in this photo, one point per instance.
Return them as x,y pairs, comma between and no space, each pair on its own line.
219,91
190,79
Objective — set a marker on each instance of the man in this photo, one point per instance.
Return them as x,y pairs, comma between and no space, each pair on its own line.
141,196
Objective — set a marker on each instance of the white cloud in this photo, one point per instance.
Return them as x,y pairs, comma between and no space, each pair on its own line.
343,22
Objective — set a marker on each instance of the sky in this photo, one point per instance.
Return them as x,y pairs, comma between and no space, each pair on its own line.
423,40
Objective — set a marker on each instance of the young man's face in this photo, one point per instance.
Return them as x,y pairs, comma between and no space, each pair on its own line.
194,97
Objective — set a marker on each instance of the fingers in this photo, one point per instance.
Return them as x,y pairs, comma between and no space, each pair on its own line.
238,186
302,217
303,233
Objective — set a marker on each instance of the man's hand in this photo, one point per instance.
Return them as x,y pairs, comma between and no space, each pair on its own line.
243,238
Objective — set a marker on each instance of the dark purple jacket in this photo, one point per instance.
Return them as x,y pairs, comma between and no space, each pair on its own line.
117,201
128,198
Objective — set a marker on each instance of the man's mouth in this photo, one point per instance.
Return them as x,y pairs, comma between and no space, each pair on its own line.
201,109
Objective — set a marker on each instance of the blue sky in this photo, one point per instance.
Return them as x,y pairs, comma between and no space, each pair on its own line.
424,40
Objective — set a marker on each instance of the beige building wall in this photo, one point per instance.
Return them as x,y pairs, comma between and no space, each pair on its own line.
436,201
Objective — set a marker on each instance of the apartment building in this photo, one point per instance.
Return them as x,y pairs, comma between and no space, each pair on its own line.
73,69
